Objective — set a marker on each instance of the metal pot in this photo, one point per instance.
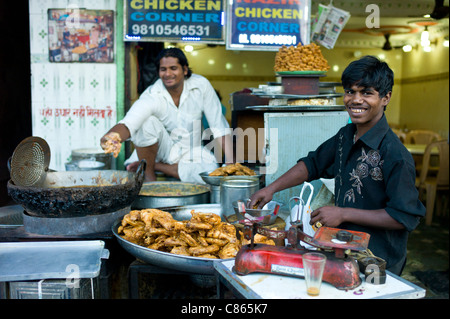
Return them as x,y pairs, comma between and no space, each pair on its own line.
232,189
92,154
79,193
168,194
194,265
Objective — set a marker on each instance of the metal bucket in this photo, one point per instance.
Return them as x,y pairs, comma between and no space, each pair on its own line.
215,194
232,189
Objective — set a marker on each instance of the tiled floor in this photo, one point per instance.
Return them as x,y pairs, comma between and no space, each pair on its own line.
427,263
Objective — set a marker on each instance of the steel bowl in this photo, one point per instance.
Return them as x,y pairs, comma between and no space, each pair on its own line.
170,194
266,211
215,180
194,265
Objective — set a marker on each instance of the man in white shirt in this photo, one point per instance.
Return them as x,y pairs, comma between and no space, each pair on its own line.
165,122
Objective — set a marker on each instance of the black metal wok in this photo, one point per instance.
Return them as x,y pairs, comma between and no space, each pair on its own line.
79,193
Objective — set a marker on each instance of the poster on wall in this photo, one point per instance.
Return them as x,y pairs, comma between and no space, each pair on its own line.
80,35
267,25
175,21
328,24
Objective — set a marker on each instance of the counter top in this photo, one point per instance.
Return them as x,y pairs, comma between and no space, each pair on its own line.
270,286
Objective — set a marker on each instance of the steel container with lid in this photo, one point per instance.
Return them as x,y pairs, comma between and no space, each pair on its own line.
89,159
232,189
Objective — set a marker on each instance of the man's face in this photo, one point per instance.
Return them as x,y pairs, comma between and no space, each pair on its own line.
364,105
172,73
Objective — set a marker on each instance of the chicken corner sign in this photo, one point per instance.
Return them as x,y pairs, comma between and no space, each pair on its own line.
267,24
174,20
251,24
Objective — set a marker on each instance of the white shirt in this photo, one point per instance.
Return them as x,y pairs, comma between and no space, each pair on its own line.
182,123
198,97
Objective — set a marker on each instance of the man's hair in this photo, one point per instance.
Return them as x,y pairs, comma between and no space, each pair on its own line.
174,53
368,72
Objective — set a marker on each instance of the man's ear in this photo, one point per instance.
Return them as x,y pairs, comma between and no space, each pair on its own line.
387,98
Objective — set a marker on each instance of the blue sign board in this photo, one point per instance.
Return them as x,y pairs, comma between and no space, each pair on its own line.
174,20
267,24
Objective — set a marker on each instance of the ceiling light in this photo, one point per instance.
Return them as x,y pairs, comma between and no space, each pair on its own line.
445,43
188,48
427,48
407,48
425,38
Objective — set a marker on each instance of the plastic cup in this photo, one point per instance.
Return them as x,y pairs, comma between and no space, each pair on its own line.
313,264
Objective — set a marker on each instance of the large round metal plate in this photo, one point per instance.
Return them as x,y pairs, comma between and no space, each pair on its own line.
195,265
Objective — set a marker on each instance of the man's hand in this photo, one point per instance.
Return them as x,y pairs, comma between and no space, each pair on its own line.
111,143
260,198
329,216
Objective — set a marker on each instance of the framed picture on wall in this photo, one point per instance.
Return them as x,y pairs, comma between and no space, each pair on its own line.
81,35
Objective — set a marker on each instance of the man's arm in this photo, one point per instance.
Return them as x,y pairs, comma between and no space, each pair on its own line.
332,216
293,177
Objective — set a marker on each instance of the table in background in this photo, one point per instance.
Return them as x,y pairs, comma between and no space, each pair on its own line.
418,150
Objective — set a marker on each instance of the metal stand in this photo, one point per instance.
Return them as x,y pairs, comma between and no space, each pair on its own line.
137,267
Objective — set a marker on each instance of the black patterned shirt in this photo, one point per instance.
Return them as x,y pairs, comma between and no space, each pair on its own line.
376,172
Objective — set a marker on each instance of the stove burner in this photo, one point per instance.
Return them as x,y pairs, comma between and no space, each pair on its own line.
72,226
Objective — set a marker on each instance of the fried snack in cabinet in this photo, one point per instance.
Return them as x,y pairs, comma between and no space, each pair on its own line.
300,58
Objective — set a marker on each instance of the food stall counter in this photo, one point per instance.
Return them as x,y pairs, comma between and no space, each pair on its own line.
271,286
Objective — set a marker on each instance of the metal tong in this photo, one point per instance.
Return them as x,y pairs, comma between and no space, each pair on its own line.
253,219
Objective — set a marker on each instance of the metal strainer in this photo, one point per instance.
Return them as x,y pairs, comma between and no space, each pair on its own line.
29,162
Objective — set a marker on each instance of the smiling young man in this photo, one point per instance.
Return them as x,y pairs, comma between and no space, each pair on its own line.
164,124
374,173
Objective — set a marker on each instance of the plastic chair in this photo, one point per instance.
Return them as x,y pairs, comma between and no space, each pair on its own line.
421,137
401,135
430,184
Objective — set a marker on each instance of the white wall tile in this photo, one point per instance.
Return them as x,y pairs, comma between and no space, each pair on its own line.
73,104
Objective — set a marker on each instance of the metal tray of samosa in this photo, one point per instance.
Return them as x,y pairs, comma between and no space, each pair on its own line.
194,265
216,180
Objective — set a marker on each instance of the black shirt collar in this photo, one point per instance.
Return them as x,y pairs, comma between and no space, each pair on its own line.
375,135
